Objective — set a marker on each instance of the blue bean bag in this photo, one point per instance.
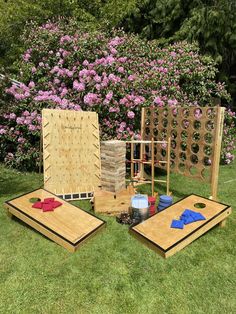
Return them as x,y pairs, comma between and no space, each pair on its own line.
177,224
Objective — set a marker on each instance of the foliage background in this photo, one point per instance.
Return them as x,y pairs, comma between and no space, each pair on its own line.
210,23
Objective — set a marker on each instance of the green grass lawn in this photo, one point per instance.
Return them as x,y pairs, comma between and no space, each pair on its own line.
113,272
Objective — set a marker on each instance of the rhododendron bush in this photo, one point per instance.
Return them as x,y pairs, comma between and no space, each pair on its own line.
113,74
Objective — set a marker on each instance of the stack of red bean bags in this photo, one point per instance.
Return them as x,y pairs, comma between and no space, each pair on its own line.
47,205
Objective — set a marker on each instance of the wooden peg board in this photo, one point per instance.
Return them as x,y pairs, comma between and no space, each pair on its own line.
71,153
68,225
156,233
196,135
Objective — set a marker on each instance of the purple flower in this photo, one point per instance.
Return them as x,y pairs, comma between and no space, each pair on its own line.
3,131
91,99
21,140
12,116
80,87
31,84
121,70
32,127
109,95
130,114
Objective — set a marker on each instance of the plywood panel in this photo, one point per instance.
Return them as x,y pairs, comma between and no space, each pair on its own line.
195,138
71,151
67,225
157,233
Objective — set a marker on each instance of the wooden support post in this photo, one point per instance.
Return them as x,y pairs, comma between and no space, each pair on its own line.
153,164
217,149
168,167
222,223
132,160
40,152
142,145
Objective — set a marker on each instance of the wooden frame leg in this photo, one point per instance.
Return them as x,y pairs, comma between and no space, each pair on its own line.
9,214
222,223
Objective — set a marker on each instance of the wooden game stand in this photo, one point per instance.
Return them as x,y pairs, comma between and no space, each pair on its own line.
152,162
113,203
156,233
68,225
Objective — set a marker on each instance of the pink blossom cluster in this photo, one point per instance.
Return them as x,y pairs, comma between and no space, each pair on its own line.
114,76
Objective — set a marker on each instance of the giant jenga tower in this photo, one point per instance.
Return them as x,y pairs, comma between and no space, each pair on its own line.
113,169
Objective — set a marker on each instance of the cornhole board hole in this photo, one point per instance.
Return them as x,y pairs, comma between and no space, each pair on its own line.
68,225
157,234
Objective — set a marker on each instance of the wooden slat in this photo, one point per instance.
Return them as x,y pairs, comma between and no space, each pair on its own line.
217,150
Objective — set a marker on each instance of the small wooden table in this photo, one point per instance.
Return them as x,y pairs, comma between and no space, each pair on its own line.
67,225
157,234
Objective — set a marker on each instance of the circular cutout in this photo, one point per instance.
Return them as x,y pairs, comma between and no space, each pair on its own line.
155,132
183,146
148,112
147,149
207,150
172,164
164,133
196,136
173,134
163,152
197,125
182,156
206,161
193,171
172,154
165,113
155,122
173,144
209,125
155,150
184,135
174,123
194,159
186,112
174,112
195,148
165,122
34,199
182,167
147,131
210,113
205,173
147,122
199,205
185,124
197,113
208,138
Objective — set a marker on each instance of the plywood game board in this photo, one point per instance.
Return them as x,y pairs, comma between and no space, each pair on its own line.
196,135
67,225
71,153
157,234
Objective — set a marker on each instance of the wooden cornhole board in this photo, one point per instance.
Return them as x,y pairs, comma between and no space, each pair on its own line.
67,225
156,231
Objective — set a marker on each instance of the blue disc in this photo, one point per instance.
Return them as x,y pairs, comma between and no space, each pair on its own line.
165,198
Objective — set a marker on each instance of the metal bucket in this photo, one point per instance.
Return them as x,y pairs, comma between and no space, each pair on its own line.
140,207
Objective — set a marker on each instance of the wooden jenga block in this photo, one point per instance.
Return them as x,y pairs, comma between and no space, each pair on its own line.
113,170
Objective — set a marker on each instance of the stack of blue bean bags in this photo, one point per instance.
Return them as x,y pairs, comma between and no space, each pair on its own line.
164,202
187,217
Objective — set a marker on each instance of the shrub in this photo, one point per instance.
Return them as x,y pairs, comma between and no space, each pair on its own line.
114,74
